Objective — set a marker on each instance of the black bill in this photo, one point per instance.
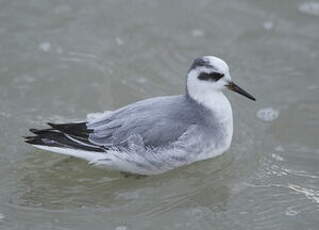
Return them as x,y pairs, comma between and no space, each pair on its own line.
232,86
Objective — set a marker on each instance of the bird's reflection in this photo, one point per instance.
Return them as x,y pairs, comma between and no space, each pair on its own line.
54,182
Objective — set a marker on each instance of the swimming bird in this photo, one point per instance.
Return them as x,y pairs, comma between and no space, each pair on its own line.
154,135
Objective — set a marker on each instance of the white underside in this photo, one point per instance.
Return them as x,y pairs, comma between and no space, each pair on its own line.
147,162
85,155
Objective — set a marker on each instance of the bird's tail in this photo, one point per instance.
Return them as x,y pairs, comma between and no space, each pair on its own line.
68,139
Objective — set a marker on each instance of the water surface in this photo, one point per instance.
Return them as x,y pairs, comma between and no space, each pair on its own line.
63,59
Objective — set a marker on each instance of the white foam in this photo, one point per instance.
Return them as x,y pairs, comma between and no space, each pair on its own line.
277,157
119,41
122,227
291,212
310,8
198,33
279,148
268,114
45,46
128,195
141,80
309,193
268,25
1,217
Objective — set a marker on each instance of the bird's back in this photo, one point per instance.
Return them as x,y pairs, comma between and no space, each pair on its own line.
155,122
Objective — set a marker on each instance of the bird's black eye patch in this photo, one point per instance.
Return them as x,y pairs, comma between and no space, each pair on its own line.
214,76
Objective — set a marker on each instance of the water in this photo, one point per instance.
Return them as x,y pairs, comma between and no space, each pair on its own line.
63,59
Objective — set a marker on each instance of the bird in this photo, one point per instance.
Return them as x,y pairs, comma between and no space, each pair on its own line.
155,135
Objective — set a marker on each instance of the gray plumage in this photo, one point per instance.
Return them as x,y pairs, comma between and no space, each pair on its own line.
158,121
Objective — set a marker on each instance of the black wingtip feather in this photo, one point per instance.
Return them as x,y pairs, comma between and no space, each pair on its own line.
74,129
56,138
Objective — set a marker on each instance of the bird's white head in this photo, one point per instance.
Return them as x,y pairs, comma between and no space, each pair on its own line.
209,75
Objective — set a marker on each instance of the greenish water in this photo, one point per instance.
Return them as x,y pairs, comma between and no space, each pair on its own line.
63,59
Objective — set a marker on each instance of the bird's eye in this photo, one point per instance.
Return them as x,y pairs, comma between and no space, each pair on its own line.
214,76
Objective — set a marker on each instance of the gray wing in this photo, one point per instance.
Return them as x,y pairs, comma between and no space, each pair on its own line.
153,122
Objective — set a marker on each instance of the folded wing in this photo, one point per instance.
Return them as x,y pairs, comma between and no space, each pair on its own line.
154,122
151,123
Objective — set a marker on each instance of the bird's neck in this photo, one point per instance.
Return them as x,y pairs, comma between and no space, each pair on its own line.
222,115
214,101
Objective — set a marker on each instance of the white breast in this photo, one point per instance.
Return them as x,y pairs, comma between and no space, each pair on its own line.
219,105
223,117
